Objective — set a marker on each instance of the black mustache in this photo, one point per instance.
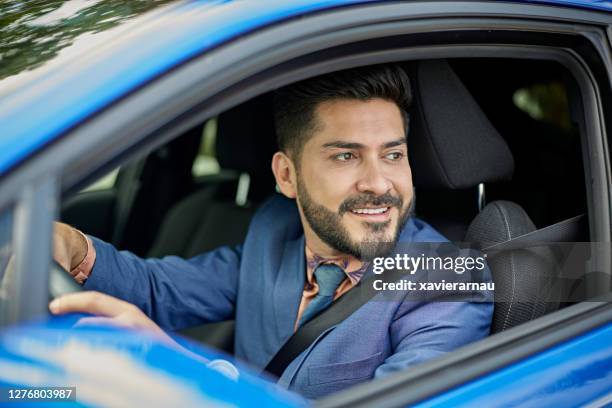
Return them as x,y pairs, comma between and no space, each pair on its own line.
363,200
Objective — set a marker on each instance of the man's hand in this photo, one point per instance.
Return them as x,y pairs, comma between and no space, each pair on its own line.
108,310
69,246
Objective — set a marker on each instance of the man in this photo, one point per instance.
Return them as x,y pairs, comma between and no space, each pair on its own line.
344,172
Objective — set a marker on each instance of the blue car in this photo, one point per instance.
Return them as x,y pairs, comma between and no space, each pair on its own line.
149,124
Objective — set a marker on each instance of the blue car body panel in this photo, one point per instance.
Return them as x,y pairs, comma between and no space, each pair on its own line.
592,5
573,373
65,97
114,367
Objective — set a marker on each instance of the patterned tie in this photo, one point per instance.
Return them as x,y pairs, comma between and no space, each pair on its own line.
329,277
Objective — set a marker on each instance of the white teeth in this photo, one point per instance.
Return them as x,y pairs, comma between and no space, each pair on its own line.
370,210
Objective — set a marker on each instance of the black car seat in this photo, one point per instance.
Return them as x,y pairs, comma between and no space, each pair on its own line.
454,150
219,214
525,284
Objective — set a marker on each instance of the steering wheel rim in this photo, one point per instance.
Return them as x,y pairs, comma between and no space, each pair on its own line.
60,281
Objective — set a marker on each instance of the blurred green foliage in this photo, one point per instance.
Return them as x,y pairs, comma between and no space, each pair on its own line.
35,31
546,102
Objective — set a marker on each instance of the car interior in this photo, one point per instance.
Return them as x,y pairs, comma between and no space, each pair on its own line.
496,151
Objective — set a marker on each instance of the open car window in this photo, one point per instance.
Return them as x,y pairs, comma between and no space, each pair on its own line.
531,115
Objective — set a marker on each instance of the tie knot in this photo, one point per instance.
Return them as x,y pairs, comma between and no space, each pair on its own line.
329,277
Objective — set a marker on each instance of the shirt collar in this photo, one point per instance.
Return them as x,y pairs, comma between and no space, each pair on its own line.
352,267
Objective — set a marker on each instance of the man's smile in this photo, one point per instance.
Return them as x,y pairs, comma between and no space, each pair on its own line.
375,214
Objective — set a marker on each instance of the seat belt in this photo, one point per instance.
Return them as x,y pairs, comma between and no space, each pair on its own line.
568,230
564,231
306,334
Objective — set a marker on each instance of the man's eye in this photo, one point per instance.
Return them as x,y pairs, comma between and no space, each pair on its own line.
346,156
395,156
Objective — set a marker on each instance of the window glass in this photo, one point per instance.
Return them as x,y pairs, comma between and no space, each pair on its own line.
206,162
38,36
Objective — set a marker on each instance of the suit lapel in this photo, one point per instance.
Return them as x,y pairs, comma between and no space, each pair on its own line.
288,288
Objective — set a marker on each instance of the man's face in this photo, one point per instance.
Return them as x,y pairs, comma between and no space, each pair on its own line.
354,184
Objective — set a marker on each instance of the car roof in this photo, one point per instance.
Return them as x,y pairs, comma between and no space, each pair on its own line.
51,94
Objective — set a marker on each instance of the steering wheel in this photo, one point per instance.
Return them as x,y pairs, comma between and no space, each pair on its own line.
60,281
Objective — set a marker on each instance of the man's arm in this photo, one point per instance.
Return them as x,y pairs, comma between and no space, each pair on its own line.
69,246
174,292
424,330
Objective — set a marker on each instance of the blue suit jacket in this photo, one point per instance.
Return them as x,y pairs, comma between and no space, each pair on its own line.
260,284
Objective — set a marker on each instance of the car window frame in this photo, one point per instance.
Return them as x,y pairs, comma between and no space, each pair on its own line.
35,208
218,91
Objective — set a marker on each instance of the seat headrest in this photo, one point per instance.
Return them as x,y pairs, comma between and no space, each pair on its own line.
246,142
246,139
451,143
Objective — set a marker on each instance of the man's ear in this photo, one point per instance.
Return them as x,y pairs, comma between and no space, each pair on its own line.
285,175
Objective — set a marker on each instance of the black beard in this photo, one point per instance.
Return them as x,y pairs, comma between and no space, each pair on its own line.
328,224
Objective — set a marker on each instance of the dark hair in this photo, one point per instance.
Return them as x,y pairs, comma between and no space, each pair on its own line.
294,105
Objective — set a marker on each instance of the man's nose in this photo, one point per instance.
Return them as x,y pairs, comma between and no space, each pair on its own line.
373,180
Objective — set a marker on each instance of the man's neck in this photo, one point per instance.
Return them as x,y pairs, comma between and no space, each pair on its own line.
324,251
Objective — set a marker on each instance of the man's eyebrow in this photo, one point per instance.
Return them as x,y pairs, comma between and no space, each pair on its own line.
354,145
343,145
394,143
